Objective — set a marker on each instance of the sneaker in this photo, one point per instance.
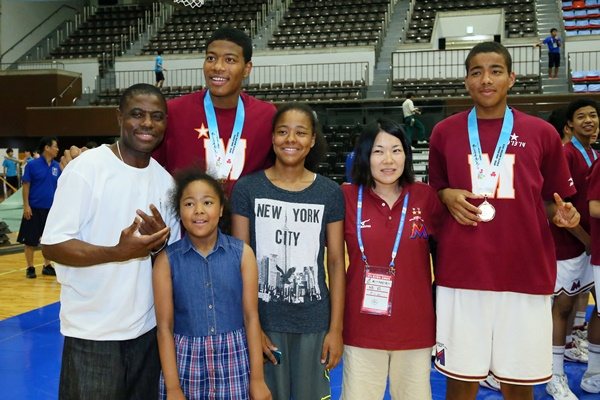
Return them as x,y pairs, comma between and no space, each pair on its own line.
581,344
573,354
490,383
590,383
558,388
49,270
580,331
30,273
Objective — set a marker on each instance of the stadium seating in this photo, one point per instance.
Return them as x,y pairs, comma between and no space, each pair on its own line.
581,17
104,33
520,19
331,23
188,28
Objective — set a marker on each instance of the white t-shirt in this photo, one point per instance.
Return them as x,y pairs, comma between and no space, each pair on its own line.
97,197
408,108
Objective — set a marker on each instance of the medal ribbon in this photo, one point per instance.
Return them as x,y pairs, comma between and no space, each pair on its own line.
398,234
223,167
582,150
487,178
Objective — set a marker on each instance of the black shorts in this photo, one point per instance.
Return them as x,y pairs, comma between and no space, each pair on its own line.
159,76
31,229
553,60
13,180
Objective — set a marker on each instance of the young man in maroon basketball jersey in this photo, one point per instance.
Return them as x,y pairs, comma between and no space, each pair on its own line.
500,173
574,272
221,128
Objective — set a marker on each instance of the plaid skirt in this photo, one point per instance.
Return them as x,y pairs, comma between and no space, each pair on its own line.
212,367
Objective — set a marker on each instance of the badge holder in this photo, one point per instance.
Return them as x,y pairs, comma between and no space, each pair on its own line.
377,291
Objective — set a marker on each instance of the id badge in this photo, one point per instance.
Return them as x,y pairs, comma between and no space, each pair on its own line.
377,293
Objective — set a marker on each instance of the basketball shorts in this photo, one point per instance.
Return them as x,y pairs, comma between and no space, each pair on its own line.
574,276
481,332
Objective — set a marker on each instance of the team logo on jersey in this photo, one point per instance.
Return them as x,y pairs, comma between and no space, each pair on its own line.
418,225
440,354
363,224
514,141
202,131
571,182
576,285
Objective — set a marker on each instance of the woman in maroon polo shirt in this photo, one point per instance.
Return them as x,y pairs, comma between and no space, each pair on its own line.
389,323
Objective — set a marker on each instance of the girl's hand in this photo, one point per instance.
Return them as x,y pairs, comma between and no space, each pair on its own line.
333,344
259,390
267,346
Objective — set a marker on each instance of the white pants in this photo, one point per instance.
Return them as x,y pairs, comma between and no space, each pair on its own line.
366,372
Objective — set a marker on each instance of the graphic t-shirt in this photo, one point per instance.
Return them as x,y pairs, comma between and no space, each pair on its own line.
287,234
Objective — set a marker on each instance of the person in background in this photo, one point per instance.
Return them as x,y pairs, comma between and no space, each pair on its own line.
554,44
158,70
11,173
414,128
39,184
574,272
350,159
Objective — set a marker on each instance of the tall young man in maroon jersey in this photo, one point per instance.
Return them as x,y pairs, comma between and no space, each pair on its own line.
192,138
574,272
498,171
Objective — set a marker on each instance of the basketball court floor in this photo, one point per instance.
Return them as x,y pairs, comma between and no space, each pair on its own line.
31,343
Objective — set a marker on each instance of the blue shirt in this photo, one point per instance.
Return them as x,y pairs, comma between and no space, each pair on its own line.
11,167
552,43
43,179
349,162
158,68
207,291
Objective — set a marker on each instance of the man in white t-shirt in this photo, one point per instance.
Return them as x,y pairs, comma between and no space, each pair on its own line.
411,124
104,261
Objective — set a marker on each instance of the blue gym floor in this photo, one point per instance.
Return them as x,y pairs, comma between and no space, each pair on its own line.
31,345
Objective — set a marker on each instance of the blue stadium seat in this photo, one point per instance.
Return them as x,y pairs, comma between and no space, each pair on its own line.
594,87
580,88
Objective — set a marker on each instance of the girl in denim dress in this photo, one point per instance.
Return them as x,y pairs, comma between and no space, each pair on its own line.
206,296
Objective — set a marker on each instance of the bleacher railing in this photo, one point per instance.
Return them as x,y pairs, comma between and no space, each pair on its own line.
584,61
32,65
310,72
353,71
424,64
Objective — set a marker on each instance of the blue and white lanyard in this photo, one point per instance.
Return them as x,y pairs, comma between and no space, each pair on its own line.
398,234
487,178
581,149
223,166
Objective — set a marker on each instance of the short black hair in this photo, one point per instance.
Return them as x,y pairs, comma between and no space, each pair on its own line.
46,141
553,30
159,52
236,36
361,169
317,152
141,88
489,47
579,103
558,119
184,177
9,150
409,95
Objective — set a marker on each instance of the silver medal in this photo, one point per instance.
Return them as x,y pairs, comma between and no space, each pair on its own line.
488,212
